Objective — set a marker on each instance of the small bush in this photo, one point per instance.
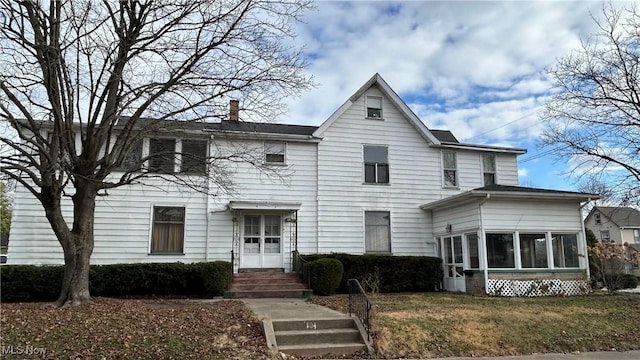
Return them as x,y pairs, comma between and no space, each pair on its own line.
42,283
629,281
389,273
325,275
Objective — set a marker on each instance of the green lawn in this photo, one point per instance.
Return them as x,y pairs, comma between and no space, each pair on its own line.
443,324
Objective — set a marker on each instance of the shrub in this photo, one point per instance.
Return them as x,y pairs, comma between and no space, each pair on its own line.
391,273
42,283
325,275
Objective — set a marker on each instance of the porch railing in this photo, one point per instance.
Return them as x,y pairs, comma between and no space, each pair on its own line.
360,305
300,268
231,271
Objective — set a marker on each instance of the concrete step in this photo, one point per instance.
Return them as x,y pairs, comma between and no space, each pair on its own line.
262,286
322,324
268,279
255,294
315,337
260,270
322,349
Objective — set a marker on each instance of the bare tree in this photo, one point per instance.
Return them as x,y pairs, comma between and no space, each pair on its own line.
594,118
82,82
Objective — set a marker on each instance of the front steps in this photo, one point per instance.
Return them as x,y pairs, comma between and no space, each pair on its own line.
316,337
266,283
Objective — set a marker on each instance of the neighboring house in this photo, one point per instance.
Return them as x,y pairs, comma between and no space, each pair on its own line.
371,179
620,224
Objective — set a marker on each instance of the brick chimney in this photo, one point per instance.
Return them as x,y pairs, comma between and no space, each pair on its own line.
234,109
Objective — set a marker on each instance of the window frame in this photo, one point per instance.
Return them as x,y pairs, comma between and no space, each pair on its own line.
153,223
557,236
364,231
456,184
603,238
138,159
267,144
478,248
151,157
369,99
597,219
486,172
636,236
513,250
376,166
533,258
195,156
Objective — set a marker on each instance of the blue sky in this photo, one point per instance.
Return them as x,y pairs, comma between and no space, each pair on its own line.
476,68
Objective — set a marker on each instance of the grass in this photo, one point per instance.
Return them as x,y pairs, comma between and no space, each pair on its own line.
404,325
442,324
133,329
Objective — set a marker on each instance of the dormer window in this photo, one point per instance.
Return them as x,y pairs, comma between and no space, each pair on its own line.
374,107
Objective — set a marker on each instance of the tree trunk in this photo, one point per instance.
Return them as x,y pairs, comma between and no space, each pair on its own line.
77,245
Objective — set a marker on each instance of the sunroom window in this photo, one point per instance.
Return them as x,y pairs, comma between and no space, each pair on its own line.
565,250
500,251
533,250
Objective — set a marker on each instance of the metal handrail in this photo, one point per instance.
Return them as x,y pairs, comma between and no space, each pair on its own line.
231,271
299,267
360,305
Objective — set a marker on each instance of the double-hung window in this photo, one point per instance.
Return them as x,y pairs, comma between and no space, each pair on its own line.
133,159
377,232
162,153
376,165
374,107
605,235
194,157
274,152
598,219
167,235
489,169
450,168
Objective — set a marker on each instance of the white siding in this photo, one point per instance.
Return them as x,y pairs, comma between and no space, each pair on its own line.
507,169
415,179
511,215
462,218
122,226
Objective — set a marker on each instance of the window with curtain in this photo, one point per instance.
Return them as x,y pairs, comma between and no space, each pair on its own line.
377,232
449,168
167,236
489,169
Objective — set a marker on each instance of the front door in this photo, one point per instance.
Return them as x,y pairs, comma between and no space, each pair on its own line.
262,241
453,263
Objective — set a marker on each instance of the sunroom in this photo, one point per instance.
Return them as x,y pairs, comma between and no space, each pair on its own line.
512,241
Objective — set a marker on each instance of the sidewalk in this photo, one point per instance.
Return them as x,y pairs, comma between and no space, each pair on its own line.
285,309
598,355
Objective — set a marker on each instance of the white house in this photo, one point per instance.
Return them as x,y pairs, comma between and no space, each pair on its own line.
371,179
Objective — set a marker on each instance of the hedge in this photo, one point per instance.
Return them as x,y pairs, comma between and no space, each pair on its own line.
390,273
325,275
42,283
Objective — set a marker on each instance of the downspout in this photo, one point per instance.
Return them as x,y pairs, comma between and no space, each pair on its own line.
484,245
584,239
317,199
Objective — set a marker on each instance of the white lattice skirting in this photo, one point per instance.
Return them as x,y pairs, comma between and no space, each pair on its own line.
531,288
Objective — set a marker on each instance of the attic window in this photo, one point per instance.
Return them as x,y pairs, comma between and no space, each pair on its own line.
598,220
274,152
374,107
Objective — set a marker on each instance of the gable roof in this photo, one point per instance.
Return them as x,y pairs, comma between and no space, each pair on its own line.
621,216
508,192
376,79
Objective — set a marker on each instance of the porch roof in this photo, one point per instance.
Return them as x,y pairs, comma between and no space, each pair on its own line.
508,192
263,205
